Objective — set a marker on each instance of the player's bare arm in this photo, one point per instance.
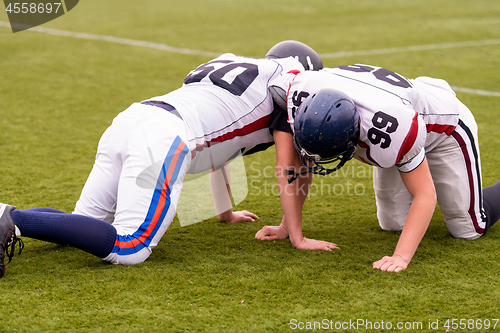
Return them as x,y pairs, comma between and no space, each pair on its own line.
420,185
221,195
292,198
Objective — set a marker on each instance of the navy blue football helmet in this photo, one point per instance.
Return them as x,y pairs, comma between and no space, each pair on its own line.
326,127
309,58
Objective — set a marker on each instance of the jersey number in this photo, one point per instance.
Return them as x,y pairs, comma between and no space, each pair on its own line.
382,121
297,99
243,76
381,74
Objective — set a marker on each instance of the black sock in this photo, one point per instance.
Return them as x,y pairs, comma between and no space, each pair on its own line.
86,233
491,203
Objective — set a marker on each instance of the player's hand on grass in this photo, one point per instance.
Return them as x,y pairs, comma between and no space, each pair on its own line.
391,264
313,244
280,232
239,216
272,233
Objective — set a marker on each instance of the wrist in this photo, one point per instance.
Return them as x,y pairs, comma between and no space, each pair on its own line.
283,225
296,241
404,258
226,216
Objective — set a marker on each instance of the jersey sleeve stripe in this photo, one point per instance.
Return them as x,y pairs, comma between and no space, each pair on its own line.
409,141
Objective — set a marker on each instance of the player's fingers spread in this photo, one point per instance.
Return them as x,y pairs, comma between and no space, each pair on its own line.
396,268
378,264
250,218
384,263
331,246
393,267
390,268
246,218
321,245
325,247
252,215
384,267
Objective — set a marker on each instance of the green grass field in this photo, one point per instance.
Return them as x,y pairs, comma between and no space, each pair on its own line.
59,93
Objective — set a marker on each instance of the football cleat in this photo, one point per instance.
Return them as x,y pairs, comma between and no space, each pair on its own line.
8,239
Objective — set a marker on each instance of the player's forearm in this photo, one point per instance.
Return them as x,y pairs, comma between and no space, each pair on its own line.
221,192
302,190
416,224
421,187
292,195
304,183
291,204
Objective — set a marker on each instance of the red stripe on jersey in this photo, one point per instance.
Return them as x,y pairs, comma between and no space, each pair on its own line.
249,128
288,91
364,145
409,141
448,129
294,71
363,160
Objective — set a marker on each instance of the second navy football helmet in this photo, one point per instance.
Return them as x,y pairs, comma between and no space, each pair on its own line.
309,58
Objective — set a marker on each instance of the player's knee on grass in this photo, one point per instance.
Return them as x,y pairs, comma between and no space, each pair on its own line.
129,259
392,208
459,221
393,199
389,222
462,227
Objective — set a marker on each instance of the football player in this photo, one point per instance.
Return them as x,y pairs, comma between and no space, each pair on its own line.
129,200
421,140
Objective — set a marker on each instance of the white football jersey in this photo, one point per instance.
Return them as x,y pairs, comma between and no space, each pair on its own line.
395,113
226,102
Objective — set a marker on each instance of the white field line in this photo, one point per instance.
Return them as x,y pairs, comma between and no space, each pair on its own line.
411,48
476,91
164,47
118,40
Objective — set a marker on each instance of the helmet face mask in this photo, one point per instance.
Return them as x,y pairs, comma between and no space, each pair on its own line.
323,166
326,131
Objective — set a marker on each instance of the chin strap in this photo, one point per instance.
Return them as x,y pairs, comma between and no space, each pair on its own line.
295,175
318,169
